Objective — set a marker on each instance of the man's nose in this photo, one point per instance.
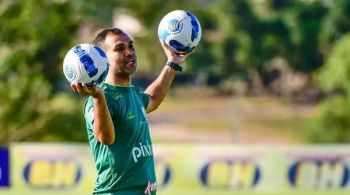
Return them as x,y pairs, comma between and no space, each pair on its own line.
129,51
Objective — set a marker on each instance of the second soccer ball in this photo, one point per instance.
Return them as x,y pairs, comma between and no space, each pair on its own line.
85,63
180,30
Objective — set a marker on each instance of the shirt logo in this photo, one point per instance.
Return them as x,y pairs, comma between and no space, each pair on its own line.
151,187
118,96
131,116
143,150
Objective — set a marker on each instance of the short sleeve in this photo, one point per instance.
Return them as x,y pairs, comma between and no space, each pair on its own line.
89,110
145,99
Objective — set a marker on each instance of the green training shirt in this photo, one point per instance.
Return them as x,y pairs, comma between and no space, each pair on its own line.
129,160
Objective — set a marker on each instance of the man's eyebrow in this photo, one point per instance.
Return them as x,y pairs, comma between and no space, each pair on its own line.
118,43
122,43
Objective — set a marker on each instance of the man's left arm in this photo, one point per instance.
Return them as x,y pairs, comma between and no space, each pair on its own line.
160,87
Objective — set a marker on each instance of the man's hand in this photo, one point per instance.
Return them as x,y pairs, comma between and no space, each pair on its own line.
93,91
172,56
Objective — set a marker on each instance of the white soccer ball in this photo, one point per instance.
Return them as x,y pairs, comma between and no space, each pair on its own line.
180,30
85,63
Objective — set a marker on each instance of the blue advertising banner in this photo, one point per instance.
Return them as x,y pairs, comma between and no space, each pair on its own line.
4,167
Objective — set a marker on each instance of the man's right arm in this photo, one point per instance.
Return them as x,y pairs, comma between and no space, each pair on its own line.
102,126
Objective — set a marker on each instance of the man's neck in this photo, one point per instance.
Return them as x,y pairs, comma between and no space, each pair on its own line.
118,80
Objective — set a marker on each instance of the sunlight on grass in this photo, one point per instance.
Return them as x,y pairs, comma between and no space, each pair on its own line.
214,123
293,124
261,116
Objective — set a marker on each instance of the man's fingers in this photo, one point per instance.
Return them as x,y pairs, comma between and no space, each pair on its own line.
79,87
74,87
84,88
181,53
164,45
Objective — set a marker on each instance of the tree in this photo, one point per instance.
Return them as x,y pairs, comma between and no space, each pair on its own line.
33,36
332,124
306,54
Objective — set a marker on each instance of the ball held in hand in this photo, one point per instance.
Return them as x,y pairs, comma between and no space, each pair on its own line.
180,30
85,63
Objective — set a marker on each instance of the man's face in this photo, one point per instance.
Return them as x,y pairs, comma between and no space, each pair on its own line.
121,54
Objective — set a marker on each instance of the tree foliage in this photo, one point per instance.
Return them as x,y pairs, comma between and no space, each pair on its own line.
335,73
332,125
33,35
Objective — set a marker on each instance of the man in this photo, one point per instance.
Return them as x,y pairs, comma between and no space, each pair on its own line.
116,119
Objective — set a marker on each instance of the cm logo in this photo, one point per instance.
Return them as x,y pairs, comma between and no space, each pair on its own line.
52,174
319,173
230,174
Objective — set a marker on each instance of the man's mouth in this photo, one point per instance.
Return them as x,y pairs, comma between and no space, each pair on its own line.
131,62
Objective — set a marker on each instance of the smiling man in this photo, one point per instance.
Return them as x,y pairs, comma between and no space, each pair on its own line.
116,117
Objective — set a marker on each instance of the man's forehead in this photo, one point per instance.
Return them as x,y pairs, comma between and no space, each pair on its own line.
118,38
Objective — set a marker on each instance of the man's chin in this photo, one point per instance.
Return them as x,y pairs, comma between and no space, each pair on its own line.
126,72
132,70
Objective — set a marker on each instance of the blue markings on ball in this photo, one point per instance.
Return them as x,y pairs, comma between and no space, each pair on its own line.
180,47
195,26
100,51
88,65
86,60
163,34
100,79
69,72
175,26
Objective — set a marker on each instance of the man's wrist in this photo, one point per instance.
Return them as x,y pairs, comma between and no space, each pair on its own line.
98,93
174,66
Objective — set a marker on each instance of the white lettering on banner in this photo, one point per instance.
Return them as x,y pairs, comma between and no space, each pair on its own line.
232,174
45,173
0,173
243,175
144,150
319,174
333,175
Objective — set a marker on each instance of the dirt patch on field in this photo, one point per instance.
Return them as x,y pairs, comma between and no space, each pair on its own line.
228,119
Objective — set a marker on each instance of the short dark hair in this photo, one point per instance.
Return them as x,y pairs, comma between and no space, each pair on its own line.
101,36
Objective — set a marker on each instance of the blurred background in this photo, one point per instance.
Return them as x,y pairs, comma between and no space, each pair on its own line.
268,86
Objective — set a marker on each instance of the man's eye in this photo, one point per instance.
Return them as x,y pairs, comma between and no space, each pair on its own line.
119,49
